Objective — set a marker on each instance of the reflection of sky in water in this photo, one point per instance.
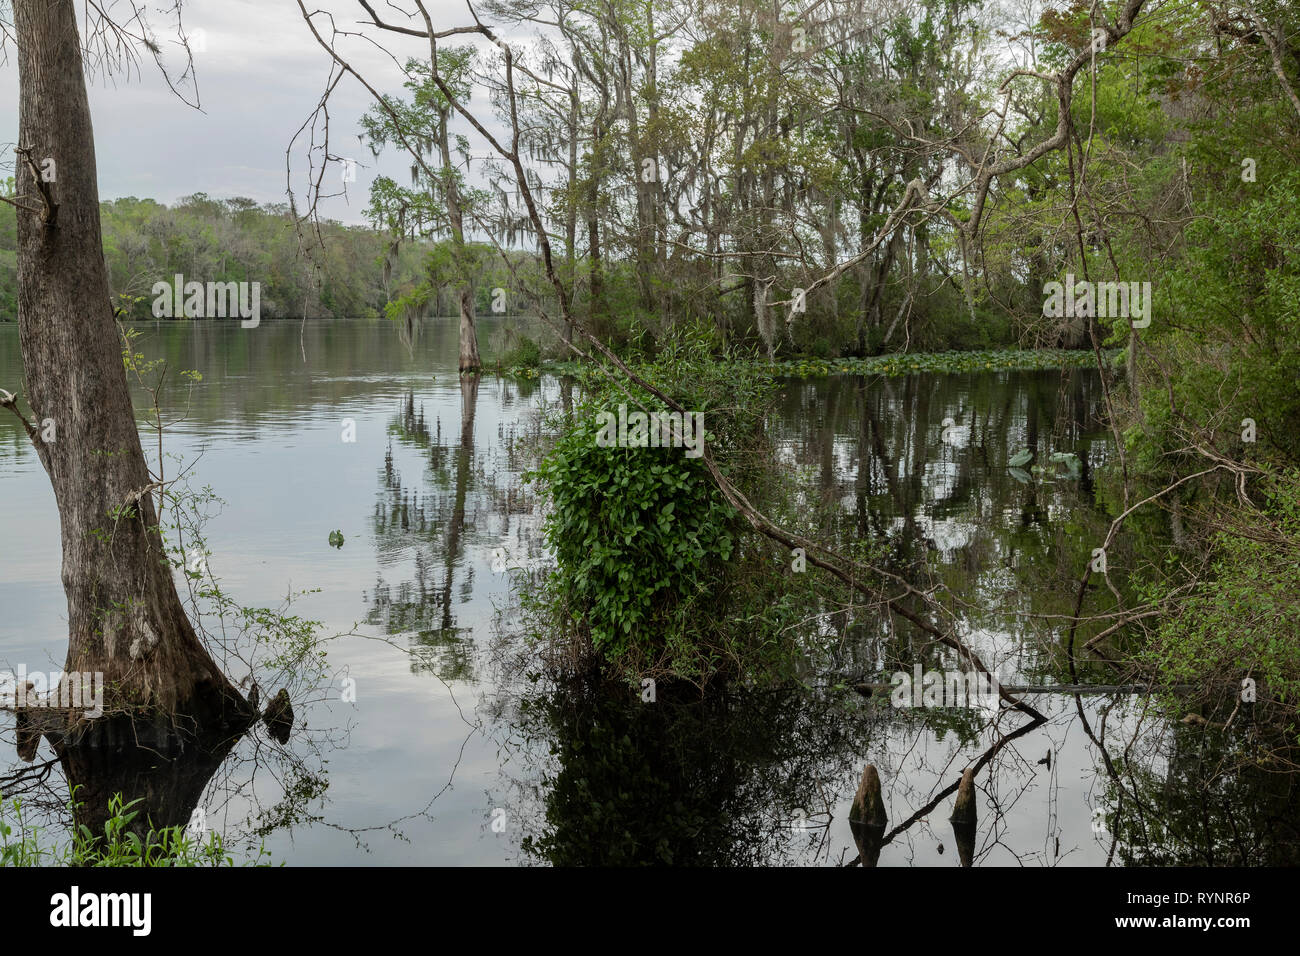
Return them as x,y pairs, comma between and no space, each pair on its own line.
263,430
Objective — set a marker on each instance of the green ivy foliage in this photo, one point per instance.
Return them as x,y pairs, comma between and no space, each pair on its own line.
638,533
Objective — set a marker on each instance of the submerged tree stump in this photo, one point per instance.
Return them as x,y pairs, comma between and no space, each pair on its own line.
963,818
868,806
867,817
963,811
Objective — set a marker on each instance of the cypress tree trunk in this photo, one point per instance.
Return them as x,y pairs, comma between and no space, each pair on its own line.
469,359
125,618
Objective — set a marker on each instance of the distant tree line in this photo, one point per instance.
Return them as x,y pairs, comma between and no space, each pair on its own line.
354,273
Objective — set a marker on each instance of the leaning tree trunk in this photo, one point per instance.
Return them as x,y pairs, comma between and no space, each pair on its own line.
125,618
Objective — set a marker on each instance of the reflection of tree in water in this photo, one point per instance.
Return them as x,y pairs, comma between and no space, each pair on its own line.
685,780
170,783
241,782
1213,804
433,528
723,780
460,498
951,512
717,780
714,781
727,778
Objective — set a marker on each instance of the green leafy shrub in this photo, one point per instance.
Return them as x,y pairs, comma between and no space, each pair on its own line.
637,532
527,353
1242,612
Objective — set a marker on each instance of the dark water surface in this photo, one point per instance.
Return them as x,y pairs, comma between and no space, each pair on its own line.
453,753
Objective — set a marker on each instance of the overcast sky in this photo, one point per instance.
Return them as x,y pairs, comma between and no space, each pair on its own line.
260,74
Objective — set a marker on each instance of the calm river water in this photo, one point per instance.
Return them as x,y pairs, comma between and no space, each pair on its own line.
454,752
